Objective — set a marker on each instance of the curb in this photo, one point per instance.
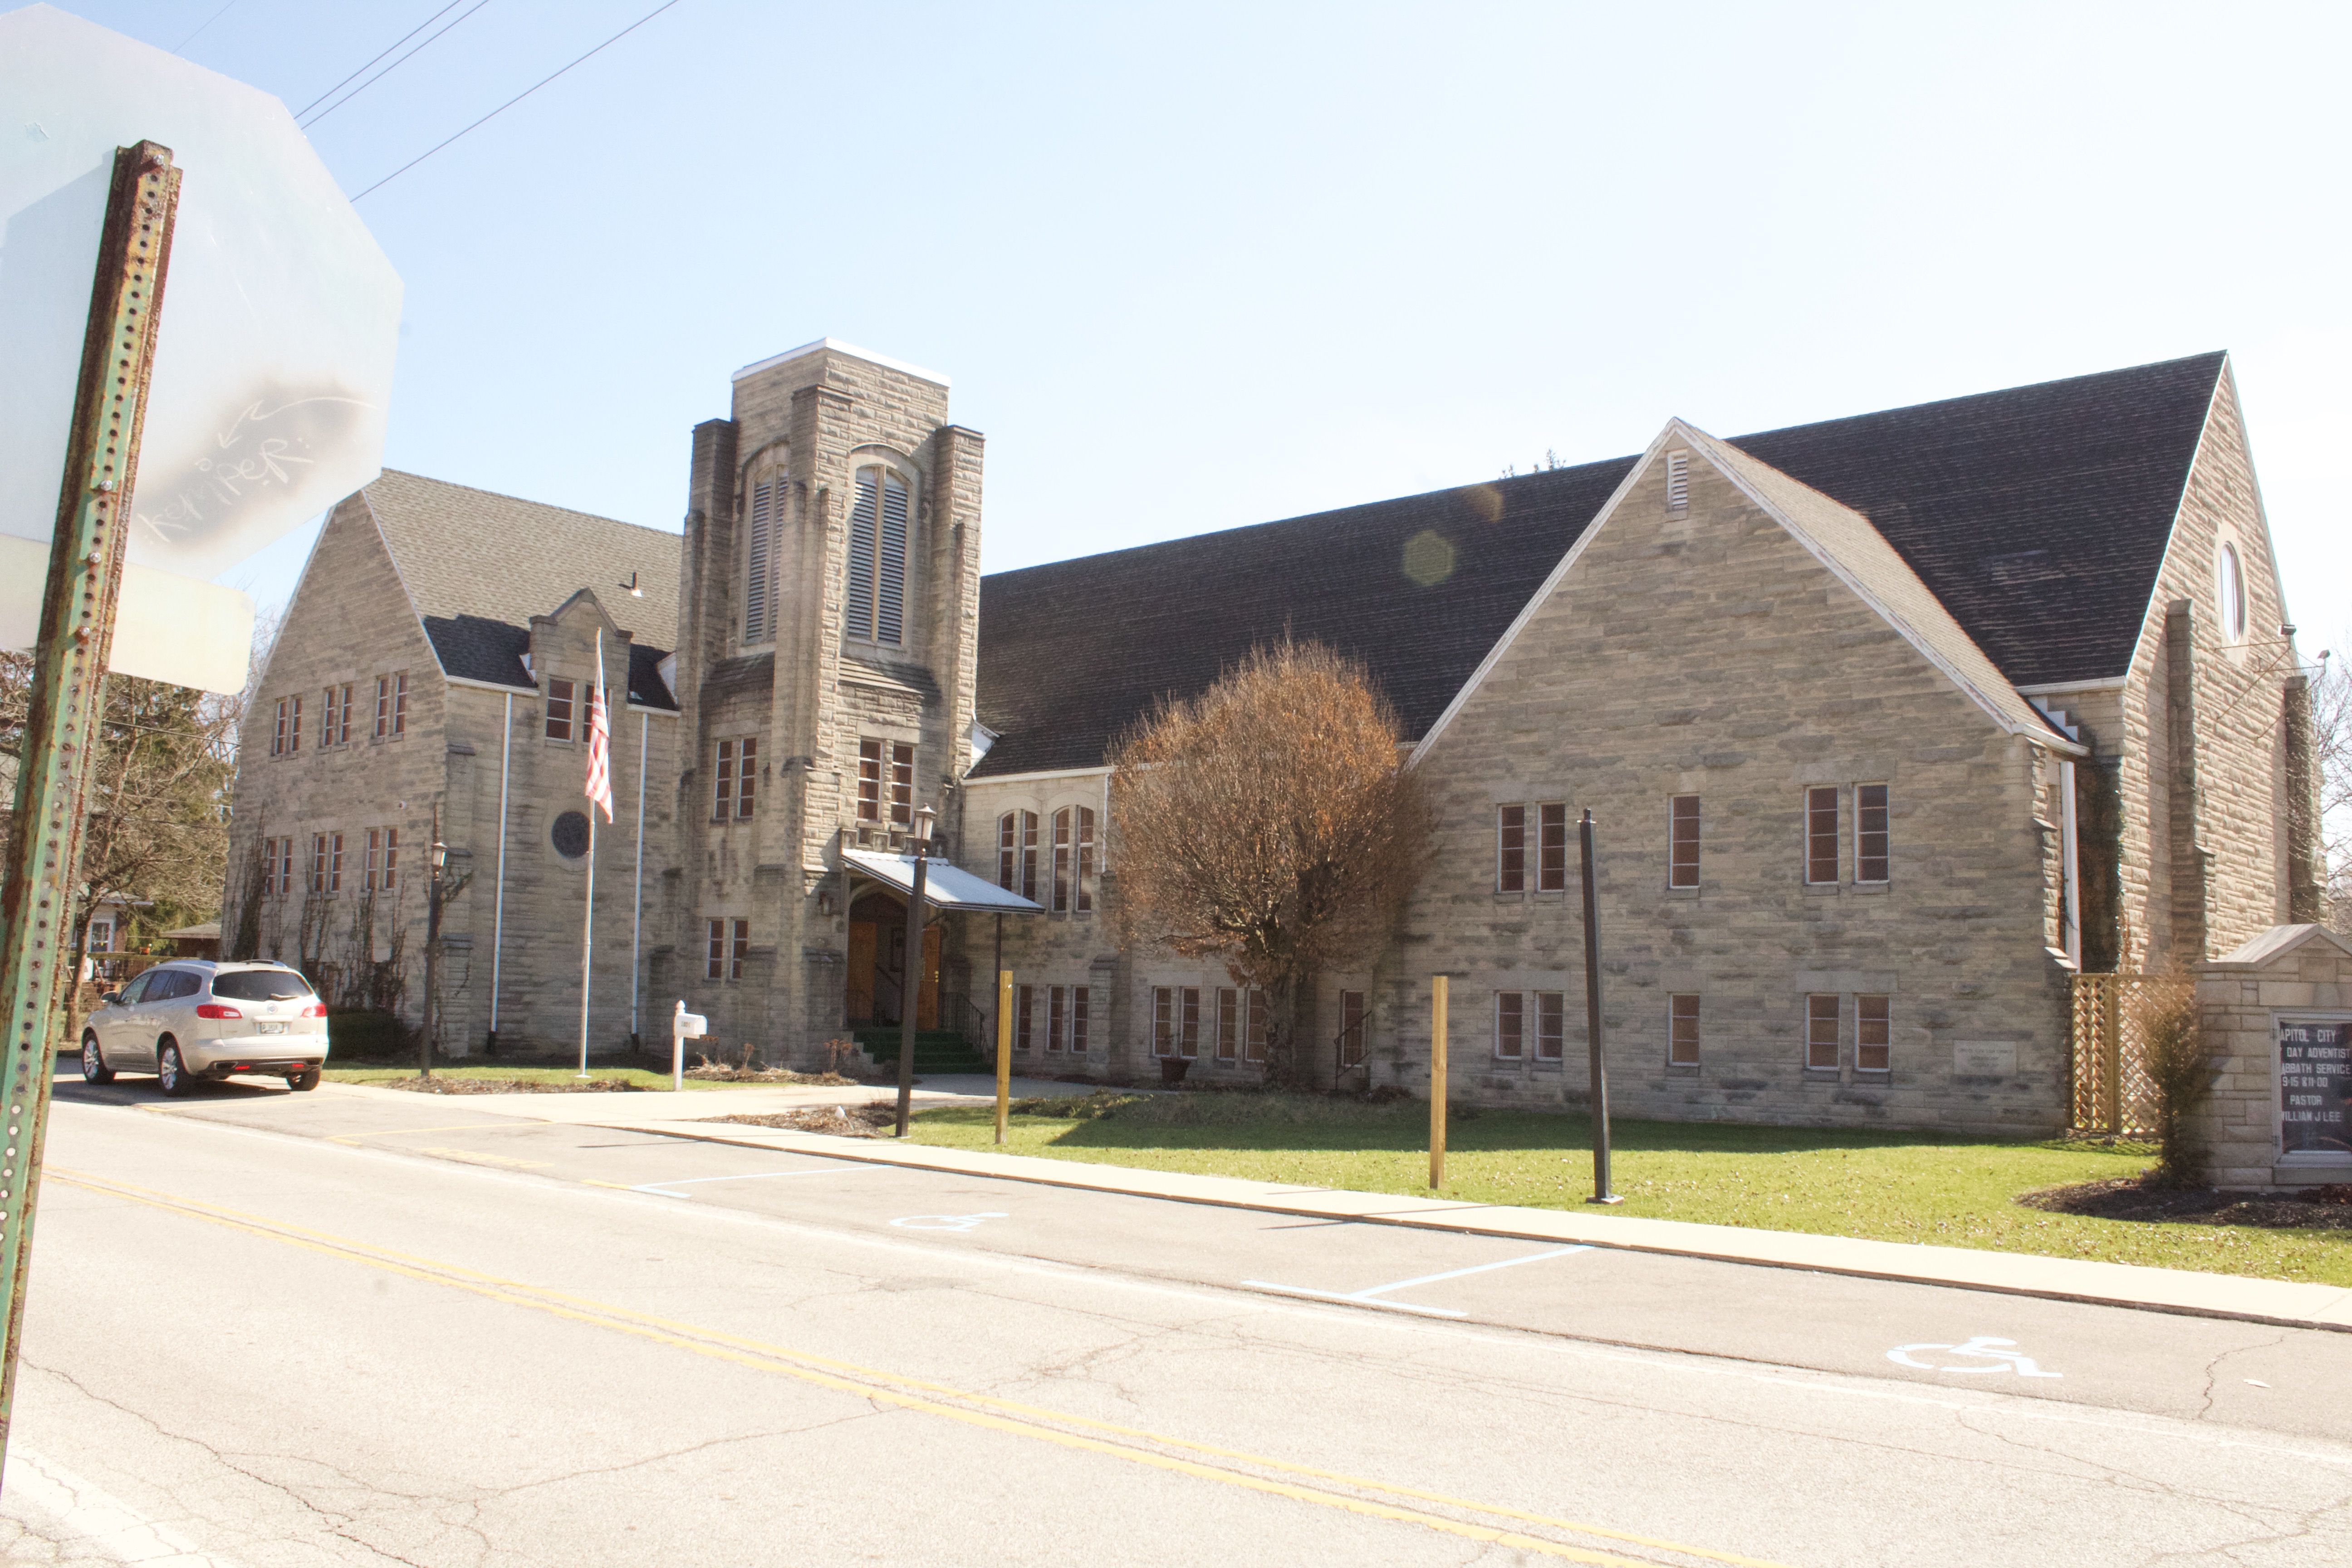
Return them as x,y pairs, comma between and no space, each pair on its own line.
2277,1302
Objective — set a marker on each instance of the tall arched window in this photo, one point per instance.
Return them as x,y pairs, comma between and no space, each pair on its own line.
1016,853
1074,860
2230,584
877,609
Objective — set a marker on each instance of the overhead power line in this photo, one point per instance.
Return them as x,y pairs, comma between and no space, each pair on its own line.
393,45
518,98
207,22
394,66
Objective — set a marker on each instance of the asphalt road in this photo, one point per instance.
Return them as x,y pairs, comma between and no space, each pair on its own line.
268,1327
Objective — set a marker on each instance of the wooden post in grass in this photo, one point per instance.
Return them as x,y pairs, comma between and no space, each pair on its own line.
1004,1046
1437,1082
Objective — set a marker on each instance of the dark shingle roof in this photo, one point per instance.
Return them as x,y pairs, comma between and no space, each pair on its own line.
472,648
2038,515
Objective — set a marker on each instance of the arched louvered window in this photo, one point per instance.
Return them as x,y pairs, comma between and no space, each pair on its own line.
759,560
877,609
1016,853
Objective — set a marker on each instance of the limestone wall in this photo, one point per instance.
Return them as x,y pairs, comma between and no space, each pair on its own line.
2241,1003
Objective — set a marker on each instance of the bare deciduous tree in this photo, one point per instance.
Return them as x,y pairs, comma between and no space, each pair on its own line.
1268,823
2331,737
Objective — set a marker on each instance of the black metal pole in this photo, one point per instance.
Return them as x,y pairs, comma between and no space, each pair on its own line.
1601,1193
911,990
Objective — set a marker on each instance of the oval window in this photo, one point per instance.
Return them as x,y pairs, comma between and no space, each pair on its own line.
570,834
2232,586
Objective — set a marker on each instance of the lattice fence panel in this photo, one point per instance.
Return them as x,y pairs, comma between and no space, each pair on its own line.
2112,1091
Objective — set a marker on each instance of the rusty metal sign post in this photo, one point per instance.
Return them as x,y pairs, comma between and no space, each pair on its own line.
67,702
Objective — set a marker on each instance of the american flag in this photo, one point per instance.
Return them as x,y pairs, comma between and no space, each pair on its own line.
599,740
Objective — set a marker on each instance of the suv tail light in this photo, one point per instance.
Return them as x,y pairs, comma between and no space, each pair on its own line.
216,1010
315,1010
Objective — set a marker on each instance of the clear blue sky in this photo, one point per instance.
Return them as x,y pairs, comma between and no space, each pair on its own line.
1200,266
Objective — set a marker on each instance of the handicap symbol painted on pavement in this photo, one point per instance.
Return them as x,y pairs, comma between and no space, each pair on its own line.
945,1221
2000,1359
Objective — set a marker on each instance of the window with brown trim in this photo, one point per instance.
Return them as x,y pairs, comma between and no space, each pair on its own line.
382,859
1821,1015
1682,1030
886,774
1081,1006
1057,1004
1551,863
714,962
559,701
1351,1028
1510,1025
278,736
337,731
1188,1021
1551,1025
1873,1033
1229,1024
1261,1021
1016,853
1682,851
739,949
1510,848
1024,1015
735,782
1073,858
1872,839
1821,834
1163,1020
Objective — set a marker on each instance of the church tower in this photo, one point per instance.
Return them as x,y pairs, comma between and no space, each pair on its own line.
829,613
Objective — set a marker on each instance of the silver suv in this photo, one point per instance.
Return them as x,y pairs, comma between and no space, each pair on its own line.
193,1018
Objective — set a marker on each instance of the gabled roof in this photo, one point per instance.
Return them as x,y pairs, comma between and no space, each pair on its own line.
2036,516
478,565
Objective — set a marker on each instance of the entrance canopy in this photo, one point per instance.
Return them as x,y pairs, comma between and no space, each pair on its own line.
946,886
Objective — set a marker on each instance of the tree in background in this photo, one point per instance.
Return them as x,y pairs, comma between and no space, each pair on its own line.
1268,823
2331,737
158,826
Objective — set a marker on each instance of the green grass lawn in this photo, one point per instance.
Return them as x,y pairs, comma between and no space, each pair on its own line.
639,1076
1891,1186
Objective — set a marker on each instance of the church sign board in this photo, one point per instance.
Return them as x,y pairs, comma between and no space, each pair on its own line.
2315,1086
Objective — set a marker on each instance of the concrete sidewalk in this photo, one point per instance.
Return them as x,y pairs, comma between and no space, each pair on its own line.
691,1113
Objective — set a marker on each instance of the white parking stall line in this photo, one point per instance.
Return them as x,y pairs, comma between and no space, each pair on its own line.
662,1188
1371,1297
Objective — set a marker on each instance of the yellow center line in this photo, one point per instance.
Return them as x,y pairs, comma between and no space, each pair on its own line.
850,1377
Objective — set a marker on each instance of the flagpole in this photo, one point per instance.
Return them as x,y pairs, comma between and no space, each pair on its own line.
596,785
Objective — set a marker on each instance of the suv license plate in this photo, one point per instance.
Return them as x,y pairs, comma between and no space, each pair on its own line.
271,1029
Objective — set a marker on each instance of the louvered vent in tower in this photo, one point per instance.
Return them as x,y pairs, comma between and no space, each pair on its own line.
757,625
1678,481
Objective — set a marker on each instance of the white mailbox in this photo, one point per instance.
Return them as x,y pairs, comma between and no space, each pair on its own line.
683,1026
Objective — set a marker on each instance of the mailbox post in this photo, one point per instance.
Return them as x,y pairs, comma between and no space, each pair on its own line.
683,1026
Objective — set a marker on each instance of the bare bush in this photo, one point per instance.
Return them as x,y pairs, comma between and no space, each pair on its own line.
2179,1074
1268,823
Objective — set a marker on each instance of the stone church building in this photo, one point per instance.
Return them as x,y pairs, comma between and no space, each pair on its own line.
1889,724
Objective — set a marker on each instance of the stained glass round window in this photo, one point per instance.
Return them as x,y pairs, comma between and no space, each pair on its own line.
570,834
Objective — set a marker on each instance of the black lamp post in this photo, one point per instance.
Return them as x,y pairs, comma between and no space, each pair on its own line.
911,990
440,856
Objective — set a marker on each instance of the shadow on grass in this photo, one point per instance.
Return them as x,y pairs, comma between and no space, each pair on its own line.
1297,1123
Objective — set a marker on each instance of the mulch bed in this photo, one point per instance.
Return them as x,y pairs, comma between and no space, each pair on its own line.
510,1086
875,1121
2131,1197
721,1073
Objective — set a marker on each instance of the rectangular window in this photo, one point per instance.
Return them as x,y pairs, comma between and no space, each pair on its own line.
1551,872
747,776
1551,1024
319,863
1261,1019
559,709
1510,848
294,742
334,862
714,965
870,781
283,870
1510,1025
390,857
1016,852
1188,1021
1821,834
1822,1032
1163,1020
384,706
1081,1004
1083,885
1351,1028
278,736
1057,1015
1873,1033
722,797
1682,855
902,783
337,731
268,866
1229,1024
1024,1015
1063,853
736,779
1682,1030
374,857
739,950
399,704
1869,833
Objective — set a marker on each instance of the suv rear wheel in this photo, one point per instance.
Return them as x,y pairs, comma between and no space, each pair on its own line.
93,1066
306,1078
170,1072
